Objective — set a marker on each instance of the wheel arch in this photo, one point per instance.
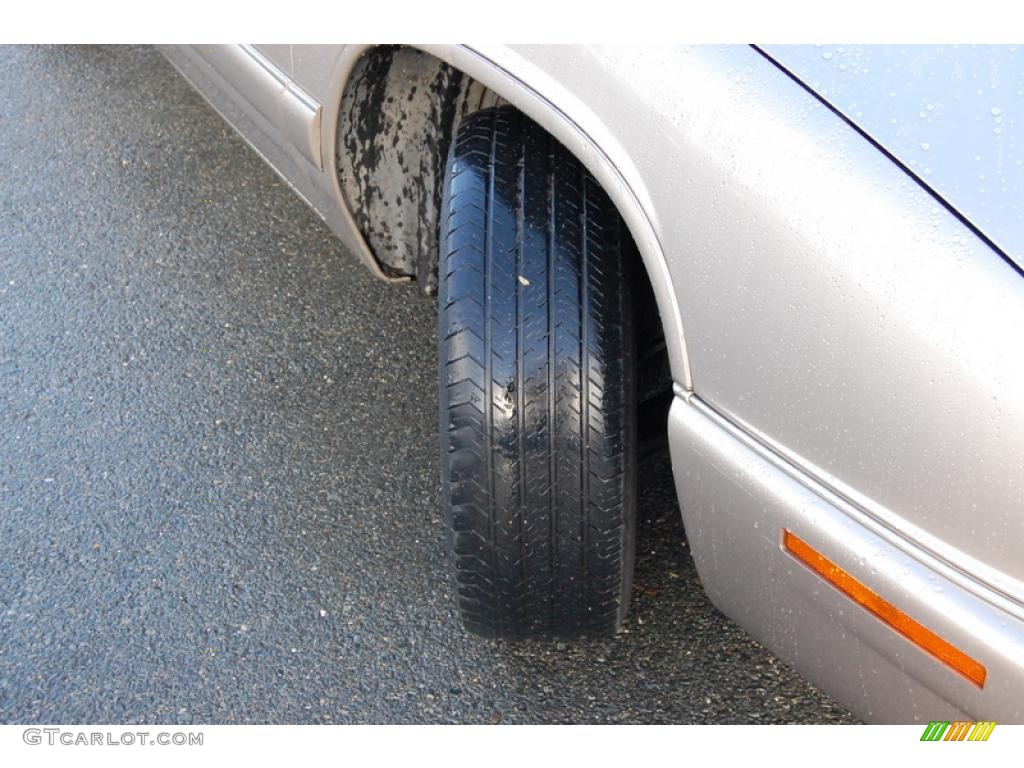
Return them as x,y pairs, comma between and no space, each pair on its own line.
510,79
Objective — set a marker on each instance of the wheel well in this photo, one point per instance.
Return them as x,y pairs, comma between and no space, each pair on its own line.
400,109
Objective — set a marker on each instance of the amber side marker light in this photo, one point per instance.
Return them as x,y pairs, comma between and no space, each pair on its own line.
914,631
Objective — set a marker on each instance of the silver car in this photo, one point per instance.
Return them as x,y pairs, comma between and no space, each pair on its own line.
802,266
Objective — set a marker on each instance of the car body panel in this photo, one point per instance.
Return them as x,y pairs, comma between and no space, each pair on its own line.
736,501
294,114
817,300
279,55
954,115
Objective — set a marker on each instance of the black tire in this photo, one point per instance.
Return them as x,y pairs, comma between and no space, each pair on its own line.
537,391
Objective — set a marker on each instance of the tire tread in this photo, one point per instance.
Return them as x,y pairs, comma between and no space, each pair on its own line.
537,392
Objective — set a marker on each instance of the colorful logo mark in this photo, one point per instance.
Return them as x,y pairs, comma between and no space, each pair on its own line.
961,730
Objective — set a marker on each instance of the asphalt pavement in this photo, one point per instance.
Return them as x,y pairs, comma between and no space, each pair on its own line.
219,457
